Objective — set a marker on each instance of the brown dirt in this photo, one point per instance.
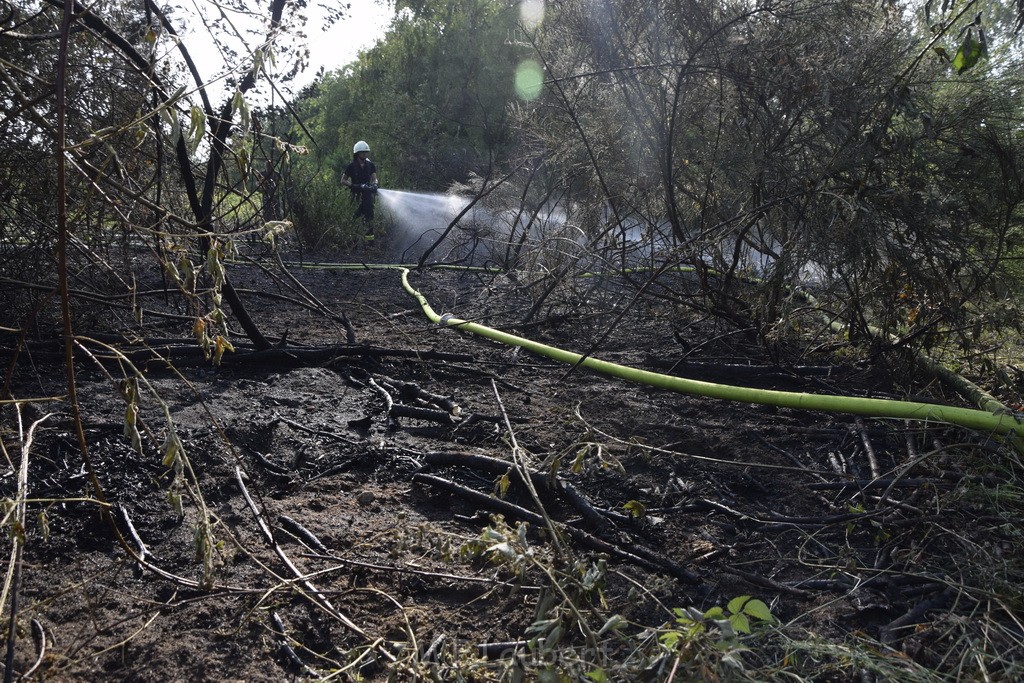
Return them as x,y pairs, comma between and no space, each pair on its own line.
737,494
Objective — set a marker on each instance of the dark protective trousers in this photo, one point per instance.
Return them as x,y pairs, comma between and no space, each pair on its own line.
364,202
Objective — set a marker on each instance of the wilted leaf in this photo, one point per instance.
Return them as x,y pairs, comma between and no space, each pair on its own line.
172,451
214,266
197,128
131,414
242,161
170,117
176,95
503,483
189,282
577,463
614,622
220,346
43,522
174,499
172,272
503,548
553,638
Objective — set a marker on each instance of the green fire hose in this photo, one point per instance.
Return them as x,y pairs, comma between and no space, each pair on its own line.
1002,424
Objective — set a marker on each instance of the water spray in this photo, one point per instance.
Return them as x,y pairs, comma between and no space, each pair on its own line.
416,214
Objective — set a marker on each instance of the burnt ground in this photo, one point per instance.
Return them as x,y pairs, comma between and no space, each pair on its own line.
860,535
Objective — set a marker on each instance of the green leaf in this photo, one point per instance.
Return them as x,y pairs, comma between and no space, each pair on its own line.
969,54
735,605
635,509
758,610
670,639
740,623
598,676
715,613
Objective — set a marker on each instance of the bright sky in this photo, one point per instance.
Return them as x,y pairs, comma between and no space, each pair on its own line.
363,26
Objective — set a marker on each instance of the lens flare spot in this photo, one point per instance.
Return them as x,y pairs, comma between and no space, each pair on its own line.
529,80
531,13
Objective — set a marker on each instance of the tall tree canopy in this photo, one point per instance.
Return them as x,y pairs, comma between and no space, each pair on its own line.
431,99
154,151
788,137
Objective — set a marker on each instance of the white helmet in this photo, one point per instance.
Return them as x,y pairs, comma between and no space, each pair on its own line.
360,146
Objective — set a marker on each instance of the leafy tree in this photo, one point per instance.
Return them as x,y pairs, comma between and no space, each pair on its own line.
431,99
119,168
963,30
152,157
106,104
772,137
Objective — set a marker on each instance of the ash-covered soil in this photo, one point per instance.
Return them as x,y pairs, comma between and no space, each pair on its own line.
360,463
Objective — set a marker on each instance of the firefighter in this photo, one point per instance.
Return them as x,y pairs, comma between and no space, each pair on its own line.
361,178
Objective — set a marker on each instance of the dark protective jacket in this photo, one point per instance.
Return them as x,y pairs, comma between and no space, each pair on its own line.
362,175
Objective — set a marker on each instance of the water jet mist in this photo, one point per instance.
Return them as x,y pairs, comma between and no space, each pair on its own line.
418,218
